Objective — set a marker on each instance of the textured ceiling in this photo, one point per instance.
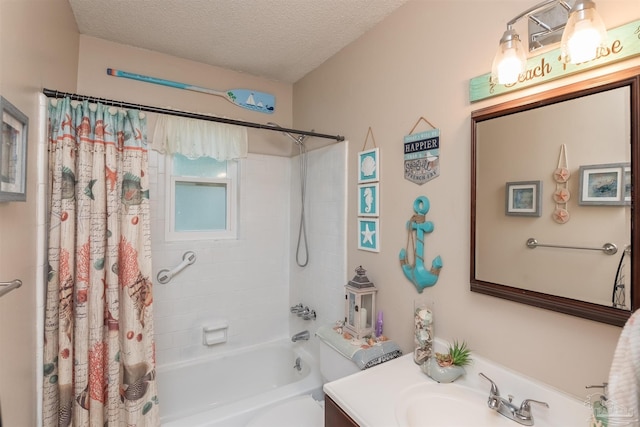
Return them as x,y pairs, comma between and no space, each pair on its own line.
280,40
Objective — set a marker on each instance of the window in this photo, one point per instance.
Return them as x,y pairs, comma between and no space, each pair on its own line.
202,203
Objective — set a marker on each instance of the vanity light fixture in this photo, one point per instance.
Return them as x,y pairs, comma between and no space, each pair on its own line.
584,33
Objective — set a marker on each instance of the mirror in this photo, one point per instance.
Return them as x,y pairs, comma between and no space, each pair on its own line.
521,249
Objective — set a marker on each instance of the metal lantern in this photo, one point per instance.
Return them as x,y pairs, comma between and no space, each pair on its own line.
360,305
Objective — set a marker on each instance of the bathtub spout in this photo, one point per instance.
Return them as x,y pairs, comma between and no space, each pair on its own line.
304,335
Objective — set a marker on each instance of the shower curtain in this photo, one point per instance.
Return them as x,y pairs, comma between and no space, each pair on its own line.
99,358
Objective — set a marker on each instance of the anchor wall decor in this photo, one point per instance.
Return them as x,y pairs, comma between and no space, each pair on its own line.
416,271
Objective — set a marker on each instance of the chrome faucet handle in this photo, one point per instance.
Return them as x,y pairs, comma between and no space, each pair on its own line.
494,388
296,308
525,408
304,312
494,394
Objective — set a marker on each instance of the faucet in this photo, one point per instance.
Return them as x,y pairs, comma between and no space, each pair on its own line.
296,308
303,311
304,335
506,408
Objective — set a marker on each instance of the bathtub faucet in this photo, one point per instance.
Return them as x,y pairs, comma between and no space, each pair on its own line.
297,308
304,335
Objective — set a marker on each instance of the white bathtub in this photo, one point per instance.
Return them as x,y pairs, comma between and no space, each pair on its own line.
228,390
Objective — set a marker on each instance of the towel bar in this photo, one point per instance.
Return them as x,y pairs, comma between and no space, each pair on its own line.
6,287
607,248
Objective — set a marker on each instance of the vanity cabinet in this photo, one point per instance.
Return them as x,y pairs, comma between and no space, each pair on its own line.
334,416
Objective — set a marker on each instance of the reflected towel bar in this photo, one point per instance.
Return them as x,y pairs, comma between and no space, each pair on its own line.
6,287
607,248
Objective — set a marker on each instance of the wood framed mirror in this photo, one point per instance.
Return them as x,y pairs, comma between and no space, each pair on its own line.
592,126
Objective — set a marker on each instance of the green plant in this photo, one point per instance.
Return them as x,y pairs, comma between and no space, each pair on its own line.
459,354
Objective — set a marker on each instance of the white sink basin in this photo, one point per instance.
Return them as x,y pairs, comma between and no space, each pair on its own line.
447,405
398,394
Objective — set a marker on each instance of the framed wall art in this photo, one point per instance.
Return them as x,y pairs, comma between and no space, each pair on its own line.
369,234
606,184
523,198
13,153
369,166
368,199
627,185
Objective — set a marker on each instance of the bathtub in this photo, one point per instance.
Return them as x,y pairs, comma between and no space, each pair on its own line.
229,389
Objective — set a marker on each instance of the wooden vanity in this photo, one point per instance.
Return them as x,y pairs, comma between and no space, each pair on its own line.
334,416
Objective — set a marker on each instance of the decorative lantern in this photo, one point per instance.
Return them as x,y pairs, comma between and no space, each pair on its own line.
360,305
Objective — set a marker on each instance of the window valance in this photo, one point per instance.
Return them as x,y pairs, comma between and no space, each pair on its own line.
199,138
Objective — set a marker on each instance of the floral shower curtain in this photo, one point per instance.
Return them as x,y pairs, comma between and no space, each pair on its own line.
99,353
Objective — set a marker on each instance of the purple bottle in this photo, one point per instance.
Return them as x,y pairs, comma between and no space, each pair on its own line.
379,324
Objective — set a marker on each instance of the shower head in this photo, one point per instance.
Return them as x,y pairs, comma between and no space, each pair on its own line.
299,140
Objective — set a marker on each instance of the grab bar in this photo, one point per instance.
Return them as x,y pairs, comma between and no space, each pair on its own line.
6,287
607,248
165,275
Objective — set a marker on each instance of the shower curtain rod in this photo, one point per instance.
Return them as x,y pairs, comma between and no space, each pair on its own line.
74,96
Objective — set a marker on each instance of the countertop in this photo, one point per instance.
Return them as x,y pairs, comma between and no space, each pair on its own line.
369,397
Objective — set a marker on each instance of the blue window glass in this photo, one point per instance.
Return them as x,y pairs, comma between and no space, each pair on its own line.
200,206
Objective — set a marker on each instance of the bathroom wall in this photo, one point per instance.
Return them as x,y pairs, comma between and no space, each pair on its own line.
39,48
418,63
96,55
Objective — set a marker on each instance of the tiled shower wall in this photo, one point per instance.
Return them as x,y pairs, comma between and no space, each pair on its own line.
247,281
243,281
320,285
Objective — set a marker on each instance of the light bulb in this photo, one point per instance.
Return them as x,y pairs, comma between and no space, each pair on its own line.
583,45
510,60
509,68
584,33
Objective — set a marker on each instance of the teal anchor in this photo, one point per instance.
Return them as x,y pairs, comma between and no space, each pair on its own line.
418,275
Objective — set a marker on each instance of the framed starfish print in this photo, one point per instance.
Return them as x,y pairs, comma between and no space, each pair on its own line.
369,234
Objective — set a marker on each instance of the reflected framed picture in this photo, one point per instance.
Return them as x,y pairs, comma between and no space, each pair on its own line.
627,185
605,184
523,198
13,153
368,200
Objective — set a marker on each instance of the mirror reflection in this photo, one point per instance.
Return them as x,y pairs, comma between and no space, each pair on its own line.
556,174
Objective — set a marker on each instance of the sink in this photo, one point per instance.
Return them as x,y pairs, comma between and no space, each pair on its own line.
447,405
398,394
